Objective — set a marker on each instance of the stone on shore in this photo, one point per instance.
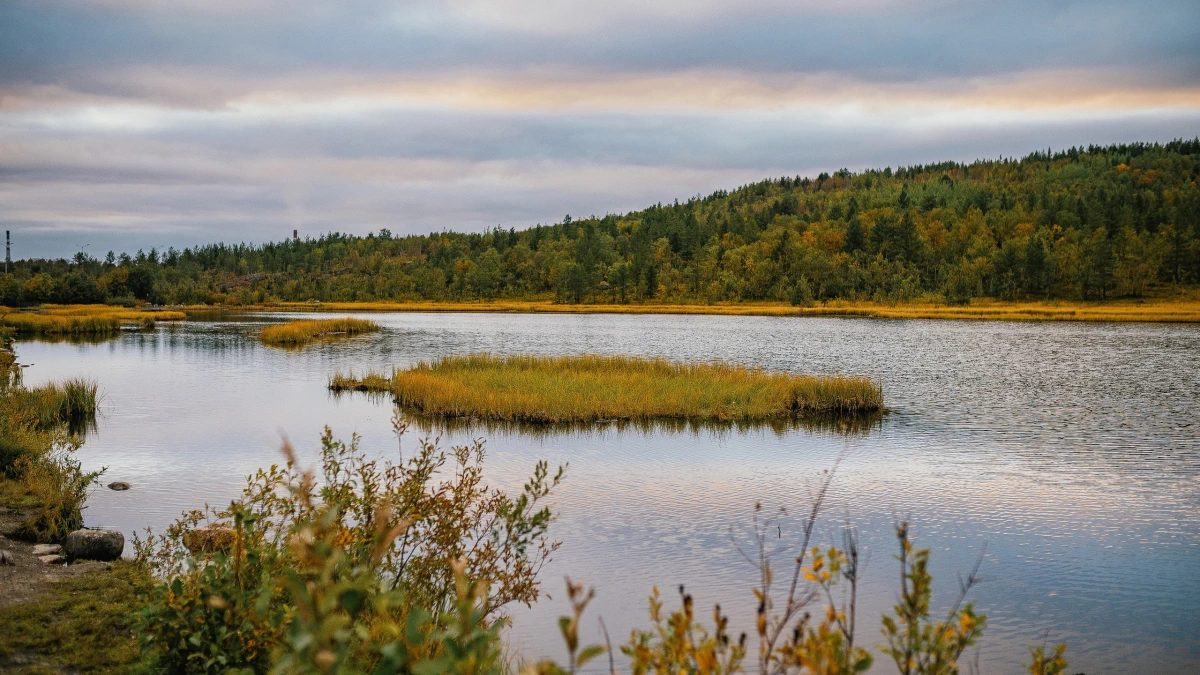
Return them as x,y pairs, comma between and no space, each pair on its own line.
46,549
6,558
94,544
208,539
53,559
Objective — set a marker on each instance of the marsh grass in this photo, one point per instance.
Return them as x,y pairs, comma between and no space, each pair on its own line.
591,388
73,403
295,333
39,432
67,320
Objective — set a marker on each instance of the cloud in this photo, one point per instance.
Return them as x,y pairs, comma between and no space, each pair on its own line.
131,121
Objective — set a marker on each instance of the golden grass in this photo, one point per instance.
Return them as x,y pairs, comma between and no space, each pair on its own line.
568,389
81,319
302,332
534,306
1167,311
1150,310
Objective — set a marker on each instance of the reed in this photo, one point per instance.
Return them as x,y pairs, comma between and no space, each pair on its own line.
302,332
590,388
71,404
44,324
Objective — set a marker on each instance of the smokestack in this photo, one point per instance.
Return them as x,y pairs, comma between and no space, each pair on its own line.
7,250
295,235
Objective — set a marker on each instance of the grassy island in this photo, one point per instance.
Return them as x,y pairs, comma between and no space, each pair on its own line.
295,333
563,389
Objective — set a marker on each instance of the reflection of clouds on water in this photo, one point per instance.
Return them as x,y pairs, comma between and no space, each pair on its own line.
1064,447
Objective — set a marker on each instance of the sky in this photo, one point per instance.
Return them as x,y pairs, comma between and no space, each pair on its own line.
128,124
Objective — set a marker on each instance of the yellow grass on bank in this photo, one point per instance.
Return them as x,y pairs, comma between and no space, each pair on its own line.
82,319
302,332
1151,310
565,389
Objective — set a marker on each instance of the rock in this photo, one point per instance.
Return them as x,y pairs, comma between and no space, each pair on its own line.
94,544
46,549
119,486
54,559
210,538
6,558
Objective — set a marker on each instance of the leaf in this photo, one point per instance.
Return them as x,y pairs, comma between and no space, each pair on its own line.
589,652
417,617
352,600
431,667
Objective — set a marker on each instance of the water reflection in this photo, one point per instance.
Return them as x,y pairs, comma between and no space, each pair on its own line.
77,338
842,425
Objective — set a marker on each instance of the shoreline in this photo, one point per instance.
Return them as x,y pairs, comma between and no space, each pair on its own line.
1184,310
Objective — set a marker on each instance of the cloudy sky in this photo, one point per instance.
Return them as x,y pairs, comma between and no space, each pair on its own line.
135,123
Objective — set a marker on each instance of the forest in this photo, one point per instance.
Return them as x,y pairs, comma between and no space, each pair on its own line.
1093,223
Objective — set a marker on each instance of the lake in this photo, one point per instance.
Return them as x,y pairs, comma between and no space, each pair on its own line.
1071,452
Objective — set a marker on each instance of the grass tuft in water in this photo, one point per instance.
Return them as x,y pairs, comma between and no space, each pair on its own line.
590,388
304,331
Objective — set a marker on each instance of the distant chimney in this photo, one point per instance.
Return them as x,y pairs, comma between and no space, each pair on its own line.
295,235
7,250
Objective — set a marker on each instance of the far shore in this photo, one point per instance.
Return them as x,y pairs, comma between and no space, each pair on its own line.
1184,309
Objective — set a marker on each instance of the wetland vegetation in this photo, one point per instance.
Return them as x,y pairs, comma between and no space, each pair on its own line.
39,431
295,333
82,320
592,388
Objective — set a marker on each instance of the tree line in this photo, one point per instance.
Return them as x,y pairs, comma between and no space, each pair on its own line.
1086,223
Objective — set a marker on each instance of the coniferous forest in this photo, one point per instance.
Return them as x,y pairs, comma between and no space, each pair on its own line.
1090,223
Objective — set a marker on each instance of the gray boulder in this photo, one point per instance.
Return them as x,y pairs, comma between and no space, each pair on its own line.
6,558
54,559
94,544
46,549
119,486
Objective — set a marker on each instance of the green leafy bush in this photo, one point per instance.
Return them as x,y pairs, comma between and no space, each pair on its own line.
229,606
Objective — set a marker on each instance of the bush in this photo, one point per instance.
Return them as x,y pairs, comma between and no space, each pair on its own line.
223,609
51,491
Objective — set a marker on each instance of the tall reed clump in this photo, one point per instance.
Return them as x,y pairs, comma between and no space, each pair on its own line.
590,388
305,331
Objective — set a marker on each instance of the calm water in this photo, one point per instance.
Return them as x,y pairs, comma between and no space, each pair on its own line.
1071,451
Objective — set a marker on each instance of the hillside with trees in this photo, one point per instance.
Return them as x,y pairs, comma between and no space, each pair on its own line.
1090,224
